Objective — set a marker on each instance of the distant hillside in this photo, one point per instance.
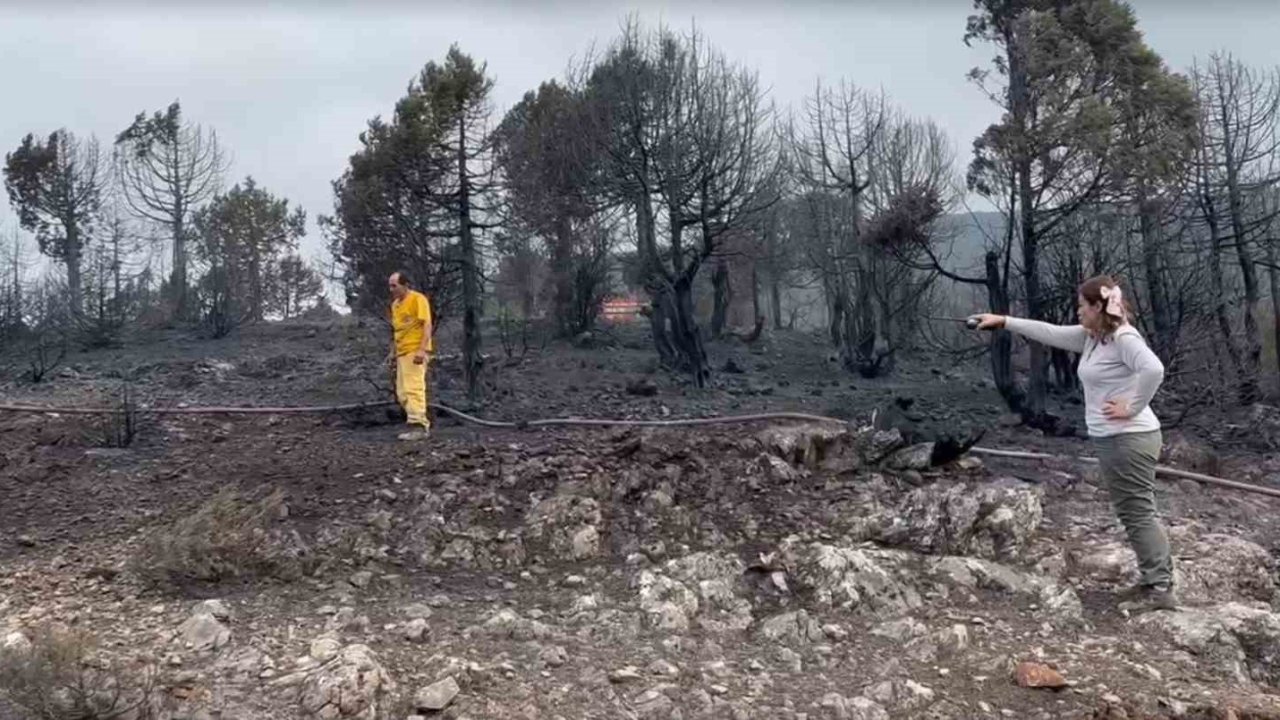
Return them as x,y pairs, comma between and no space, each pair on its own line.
966,237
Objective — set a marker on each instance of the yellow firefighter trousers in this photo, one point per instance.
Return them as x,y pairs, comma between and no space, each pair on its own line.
411,389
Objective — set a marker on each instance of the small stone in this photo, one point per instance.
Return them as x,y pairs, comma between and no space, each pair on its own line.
717,669
662,667
437,696
586,543
917,690
415,630
204,632
1037,675
626,674
361,579
575,581
553,656
416,610
653,703
655,549
790,659
388,495
346,619
324,648
216,608
955,638
26,541
900,631
642,387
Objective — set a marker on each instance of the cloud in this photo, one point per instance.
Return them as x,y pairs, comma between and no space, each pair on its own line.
289,86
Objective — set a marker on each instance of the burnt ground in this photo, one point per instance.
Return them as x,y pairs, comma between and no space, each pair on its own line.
608,572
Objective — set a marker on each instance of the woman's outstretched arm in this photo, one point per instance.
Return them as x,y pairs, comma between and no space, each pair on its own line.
1064,337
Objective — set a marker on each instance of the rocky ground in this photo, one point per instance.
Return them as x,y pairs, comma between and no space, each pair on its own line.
315,567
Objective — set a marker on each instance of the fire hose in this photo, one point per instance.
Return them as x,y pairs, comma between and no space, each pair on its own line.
598,422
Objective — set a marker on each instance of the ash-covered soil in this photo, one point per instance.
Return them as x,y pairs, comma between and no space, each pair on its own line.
285,566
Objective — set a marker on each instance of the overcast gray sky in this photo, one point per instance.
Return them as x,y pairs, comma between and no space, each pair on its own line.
288,86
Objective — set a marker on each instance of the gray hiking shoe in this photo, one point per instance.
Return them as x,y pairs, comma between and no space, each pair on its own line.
1150,597
415,434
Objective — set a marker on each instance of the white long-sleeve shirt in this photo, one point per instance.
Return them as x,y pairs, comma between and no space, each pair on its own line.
1119,367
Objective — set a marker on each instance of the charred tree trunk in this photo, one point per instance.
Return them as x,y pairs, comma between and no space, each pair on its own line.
859,352
775,301
178,275
1001,340
526,299
1157,291
1064,375
562,279
1273,276
73,257
664,317
659,324
1249,274
685,334
1020,105
721,298
755,296
835,323
1219,292
470,273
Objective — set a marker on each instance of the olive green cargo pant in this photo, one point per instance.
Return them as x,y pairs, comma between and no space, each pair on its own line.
1128,463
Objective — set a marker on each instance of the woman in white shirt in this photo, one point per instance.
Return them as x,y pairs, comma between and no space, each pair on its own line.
1119,374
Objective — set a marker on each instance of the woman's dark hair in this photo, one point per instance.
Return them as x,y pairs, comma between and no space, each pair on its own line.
1092,291
403,277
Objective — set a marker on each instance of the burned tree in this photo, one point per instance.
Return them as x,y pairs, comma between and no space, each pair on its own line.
240,239
873,182
912,184
13,298
418,193
296,287
1239,147
168,167
385,217
549,162
833,154
56,189
1068,73
110,302
689,151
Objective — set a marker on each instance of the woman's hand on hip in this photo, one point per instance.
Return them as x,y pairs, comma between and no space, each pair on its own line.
1117,409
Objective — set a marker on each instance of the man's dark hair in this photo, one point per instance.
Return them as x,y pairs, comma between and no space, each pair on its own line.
403,277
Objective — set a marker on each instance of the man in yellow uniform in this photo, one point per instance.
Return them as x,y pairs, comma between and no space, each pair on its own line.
411,348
